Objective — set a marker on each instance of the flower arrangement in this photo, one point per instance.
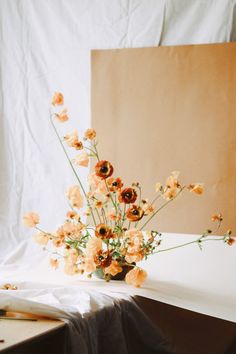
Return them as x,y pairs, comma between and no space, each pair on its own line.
114,237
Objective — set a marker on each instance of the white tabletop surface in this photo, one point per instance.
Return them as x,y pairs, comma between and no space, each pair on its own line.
201,281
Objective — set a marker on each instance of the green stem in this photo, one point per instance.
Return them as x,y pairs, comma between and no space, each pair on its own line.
139,203
44,232
140,195
123,218
96,151
93,152
98,215
73,169
97,155
199,240
157,197
104,216
161,207
151,204
114,204
89,228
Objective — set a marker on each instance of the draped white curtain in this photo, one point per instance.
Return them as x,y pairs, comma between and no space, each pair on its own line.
45,46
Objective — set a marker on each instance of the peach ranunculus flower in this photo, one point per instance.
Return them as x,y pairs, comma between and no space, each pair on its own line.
196,188
62,117
71,214
136,277
172,186
31,219
132,257
58,99
75,197
93,246
87,212
71,230
217,217
113,269
148,208
172,180
158,187
111,215
97,185
134,239
70,268
101,188
54,263
82,159
89,265
98,204
71,258
90,134
93,180
8,286
41,238
71,255
230,240
58,242
72,140
60,233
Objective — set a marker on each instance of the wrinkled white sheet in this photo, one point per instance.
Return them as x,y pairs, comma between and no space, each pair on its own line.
96,322
45,46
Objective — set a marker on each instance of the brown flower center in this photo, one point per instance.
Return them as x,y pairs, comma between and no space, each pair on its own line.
102,231
104,169
135,212
128,195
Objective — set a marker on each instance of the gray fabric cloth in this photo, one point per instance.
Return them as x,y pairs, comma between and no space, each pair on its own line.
119,329
96,322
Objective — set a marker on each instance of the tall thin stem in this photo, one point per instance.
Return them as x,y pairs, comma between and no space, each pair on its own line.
110,195
199,240
123,217
98,215
44,232
97,156
72,167
161,207
96,151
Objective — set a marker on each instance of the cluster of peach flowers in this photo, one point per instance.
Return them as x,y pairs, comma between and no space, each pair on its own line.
105,228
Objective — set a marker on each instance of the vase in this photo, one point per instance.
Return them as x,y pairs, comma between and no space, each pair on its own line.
99,273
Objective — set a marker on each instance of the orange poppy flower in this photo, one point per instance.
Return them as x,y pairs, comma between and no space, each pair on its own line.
134,213
103,231
103,169
127,196
114,184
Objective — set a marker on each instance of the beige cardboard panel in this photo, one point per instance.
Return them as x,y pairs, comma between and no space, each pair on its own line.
171,108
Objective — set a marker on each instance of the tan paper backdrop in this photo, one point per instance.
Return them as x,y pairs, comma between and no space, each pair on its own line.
171,108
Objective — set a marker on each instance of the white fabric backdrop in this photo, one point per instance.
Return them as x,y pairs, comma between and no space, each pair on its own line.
45,46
